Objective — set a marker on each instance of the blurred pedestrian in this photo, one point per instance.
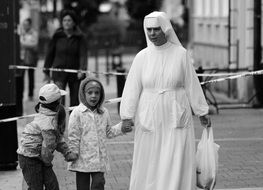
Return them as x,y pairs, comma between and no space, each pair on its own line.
28,57
89,126
67,50
29,52
160,92
41,138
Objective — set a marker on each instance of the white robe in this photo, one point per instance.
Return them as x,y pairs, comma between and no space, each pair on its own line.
160,90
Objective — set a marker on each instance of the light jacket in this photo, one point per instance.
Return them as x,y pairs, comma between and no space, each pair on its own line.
87,133
41,138
87,138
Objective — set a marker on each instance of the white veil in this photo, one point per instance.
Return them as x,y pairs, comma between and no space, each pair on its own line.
166,27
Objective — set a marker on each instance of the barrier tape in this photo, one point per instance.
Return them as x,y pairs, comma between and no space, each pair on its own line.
110,101
65,70
108,73
116,100
259,72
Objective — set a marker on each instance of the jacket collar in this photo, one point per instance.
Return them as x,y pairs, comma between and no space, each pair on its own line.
46,111
84,108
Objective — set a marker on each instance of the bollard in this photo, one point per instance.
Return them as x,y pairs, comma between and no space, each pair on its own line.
116,54
120,83
8,138
19,93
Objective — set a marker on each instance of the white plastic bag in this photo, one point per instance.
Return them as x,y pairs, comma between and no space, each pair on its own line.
207,160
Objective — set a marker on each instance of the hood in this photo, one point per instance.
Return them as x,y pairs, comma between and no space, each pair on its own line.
82,97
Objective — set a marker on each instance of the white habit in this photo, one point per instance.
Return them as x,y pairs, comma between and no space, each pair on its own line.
160,90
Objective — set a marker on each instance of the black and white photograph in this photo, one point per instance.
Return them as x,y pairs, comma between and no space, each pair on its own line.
131,95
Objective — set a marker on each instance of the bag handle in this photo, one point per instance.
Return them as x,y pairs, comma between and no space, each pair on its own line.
210,134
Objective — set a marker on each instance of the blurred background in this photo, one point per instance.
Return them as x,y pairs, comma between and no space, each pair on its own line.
222,36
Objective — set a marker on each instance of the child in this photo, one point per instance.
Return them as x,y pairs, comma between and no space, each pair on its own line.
41,138
89,125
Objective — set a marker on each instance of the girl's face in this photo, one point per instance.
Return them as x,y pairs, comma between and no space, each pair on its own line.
68,23
92,95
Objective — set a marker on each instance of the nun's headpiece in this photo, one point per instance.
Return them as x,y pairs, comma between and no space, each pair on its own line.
160,19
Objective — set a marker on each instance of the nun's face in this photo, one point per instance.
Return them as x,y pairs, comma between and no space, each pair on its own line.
156,35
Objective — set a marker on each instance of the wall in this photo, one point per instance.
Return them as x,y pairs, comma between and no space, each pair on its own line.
220,45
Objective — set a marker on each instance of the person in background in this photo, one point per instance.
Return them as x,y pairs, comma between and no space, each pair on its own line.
160,93
41,138
67,50
89,126
29,52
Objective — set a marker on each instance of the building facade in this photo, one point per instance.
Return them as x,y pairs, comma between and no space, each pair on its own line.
222,36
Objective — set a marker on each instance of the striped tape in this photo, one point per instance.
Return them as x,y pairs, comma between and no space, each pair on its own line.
109,73
110,101
259,72
65,70
116,100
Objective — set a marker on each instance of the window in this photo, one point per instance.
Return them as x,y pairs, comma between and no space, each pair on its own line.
198,7
207,7
225,7
215,8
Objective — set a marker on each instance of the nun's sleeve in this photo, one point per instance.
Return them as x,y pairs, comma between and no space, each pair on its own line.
193,89
132,89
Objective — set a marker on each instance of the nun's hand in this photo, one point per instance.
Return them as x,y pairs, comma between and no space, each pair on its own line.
126,125
205,121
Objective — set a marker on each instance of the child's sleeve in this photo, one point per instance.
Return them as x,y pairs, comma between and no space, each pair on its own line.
114,131
62,146
74,133
48,145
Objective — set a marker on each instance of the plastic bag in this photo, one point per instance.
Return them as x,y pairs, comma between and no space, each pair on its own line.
207,160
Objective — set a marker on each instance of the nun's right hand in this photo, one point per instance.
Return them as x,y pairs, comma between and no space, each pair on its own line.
126,125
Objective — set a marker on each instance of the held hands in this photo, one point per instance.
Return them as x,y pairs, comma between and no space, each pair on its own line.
205,121
126,126
69,157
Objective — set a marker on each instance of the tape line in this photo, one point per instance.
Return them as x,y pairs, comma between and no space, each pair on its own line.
108,73
259,72
65,70
110,101
116,100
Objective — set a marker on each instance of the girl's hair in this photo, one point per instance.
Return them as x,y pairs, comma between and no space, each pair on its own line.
60,116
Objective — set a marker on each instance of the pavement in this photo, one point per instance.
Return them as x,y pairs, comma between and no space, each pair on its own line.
239,132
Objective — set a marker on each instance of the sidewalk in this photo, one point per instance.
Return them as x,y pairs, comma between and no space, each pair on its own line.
239,132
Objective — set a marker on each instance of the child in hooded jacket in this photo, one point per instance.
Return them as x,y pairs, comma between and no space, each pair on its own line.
89,126
41,138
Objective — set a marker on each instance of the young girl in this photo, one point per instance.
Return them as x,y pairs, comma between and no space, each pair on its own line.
41,138
89,125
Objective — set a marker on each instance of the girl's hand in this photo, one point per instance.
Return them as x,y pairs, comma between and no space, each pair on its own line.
71,157
205,121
